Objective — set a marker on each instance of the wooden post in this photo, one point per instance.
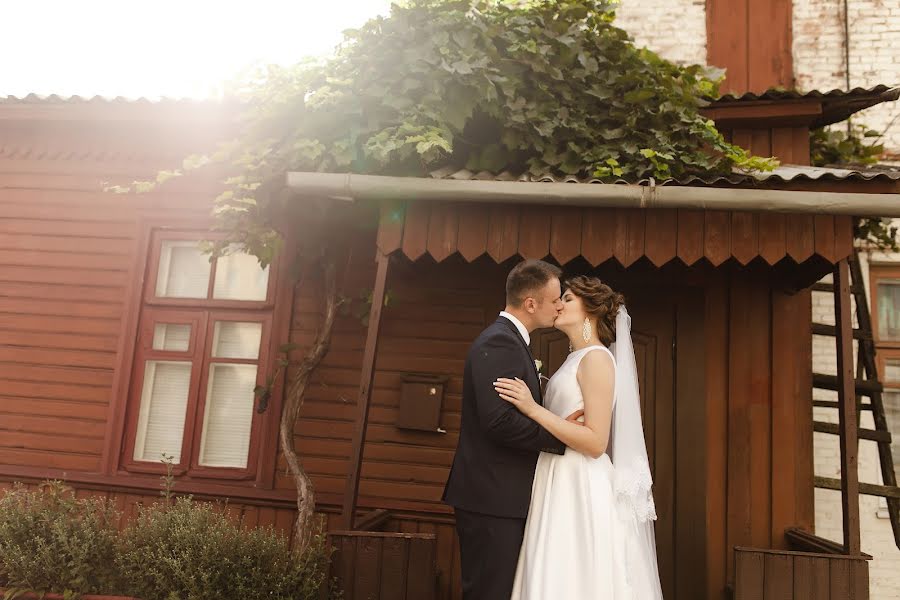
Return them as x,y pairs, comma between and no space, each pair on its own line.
365,390
848,425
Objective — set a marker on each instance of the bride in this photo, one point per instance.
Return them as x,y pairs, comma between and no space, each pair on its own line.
589,534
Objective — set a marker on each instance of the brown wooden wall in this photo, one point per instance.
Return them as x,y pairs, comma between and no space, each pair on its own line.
759,419
427,328
67,259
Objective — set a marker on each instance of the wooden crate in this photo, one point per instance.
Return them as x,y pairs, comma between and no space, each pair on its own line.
375,565
785,575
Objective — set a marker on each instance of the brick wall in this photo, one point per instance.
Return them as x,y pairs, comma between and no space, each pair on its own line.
874,36
877,537
676,29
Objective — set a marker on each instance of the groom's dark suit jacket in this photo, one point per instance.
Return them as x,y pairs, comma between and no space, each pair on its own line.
493,469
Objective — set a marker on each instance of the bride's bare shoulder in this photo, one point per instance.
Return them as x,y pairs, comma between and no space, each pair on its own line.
596,361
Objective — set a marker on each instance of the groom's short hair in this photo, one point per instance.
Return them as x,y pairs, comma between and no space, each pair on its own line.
526,278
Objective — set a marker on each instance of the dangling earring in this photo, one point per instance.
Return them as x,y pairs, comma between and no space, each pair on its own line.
586,329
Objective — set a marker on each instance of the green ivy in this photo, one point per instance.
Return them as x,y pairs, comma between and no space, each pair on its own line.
856,145
540,86
837,146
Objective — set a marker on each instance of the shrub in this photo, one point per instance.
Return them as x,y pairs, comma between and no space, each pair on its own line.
51,541
191,551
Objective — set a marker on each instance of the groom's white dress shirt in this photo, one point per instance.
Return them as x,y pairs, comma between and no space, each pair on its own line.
518,325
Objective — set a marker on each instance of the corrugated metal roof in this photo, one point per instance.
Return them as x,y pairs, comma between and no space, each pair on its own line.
885,92
776,94
76,99
782,174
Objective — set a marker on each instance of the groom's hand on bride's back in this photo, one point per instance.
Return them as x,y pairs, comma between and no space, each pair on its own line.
575,416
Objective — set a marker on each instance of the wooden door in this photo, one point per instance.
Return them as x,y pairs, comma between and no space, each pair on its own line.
653,334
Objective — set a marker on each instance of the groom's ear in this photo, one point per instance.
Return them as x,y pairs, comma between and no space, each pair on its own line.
530,304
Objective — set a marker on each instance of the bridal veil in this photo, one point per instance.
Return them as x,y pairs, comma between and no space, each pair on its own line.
632,482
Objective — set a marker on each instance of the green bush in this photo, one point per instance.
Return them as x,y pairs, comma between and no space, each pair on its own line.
49,540
179,550
191,551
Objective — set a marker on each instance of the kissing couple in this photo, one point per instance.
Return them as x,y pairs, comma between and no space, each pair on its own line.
552,492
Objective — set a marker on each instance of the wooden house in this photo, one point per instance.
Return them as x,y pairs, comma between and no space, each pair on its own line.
101,293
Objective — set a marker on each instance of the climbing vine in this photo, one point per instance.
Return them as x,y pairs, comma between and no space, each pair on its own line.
856,145
539,86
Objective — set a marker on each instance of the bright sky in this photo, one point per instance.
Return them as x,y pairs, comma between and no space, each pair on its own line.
153,48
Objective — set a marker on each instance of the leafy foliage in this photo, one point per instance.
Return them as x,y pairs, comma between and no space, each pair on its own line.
176,549
837,146
857,146
191,551
49,540
878,233
538,86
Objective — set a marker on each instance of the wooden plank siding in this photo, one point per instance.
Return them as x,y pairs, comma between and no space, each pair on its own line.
67,260
759,419
428,326
623,235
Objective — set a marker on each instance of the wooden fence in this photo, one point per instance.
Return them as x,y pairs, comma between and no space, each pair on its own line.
788,575
374,565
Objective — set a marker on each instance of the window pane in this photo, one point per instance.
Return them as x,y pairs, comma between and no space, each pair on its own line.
183,270
891,399
163,406
892,370
889,310
236,340
239,277
228,415
172,337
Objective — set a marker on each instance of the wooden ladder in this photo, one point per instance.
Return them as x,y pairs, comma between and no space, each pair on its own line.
868,386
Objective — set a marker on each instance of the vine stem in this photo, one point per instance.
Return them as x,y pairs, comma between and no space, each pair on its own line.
298,379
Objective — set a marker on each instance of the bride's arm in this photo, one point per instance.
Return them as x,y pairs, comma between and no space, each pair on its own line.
596,377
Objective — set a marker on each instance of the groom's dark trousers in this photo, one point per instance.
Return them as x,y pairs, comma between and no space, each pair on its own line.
493,470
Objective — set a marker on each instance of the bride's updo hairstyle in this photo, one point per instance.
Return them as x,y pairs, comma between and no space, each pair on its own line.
601,303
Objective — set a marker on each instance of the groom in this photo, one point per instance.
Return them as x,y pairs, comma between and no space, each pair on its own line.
493,470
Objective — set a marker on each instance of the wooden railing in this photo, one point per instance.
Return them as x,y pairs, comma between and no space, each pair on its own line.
375,565
816,570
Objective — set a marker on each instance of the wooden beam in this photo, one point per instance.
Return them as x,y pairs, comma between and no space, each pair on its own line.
864,387
373,521
864,434
823,329
868,489
804,541
365,390
849,419
780,113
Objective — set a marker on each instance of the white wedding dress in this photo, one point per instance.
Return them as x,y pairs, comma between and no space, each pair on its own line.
589,533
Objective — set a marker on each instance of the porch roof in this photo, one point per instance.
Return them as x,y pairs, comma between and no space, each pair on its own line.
503,215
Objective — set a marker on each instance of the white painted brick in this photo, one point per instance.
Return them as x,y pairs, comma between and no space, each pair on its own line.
874,32
676,29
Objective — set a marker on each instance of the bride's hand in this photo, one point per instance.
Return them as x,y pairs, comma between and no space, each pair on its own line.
516,393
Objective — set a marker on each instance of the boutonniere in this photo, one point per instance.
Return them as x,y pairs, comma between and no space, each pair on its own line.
537,365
